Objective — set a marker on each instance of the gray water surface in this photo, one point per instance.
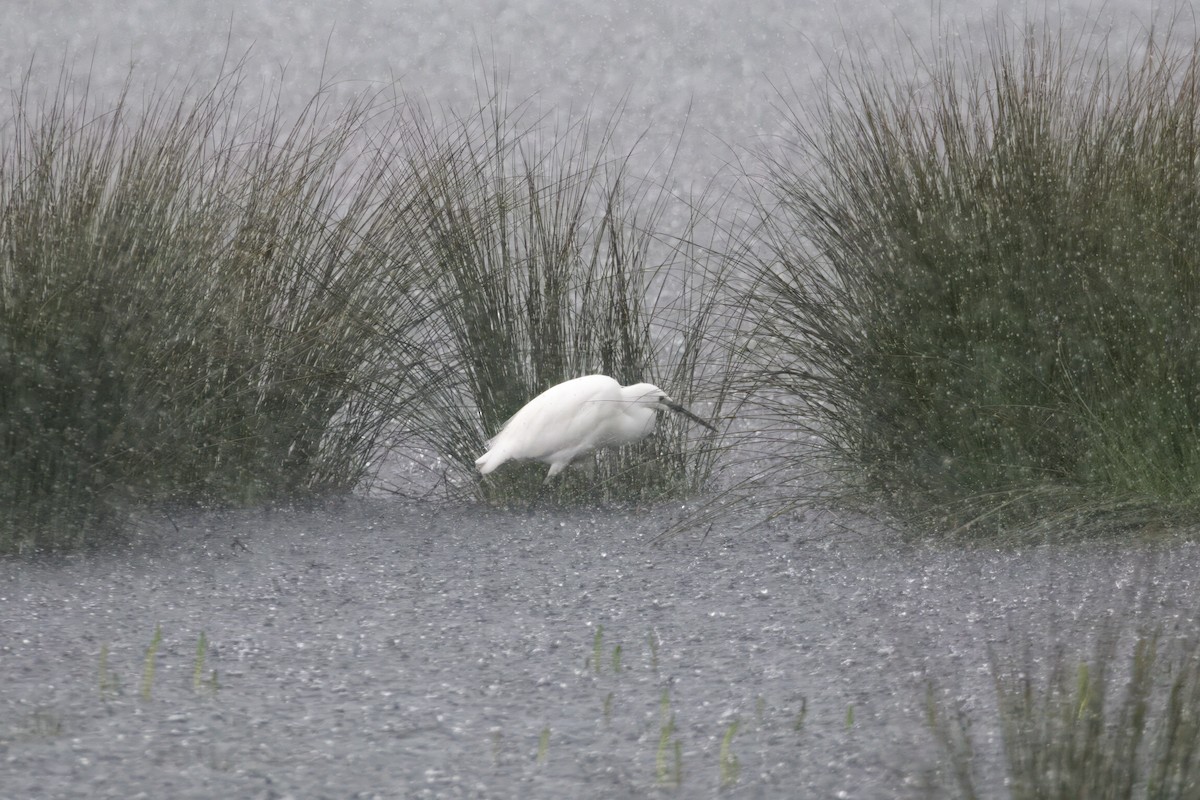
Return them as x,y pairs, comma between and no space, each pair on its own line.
390,649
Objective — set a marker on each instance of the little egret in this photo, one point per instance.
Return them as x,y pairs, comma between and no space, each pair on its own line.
576,417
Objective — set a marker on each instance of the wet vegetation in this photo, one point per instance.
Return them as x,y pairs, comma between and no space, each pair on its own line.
201,302
981,290
198,303
972,285
1107,727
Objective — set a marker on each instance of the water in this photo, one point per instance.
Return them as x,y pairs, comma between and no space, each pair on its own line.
704,67
381,648
394,649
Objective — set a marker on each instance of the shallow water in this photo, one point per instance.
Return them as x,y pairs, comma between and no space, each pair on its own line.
392,649
703,77
387,648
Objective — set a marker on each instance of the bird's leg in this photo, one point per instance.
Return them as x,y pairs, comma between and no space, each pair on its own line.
537,496
543,487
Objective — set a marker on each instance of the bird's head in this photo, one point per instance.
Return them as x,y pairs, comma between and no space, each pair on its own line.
650,395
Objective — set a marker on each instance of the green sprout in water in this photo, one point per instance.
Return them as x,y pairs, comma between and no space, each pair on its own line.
798,725
198,667
1082,690
543,745
728,761
198,679
616,659
668,774
151,657
597,647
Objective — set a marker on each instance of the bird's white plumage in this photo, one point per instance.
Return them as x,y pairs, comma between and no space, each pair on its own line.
573,418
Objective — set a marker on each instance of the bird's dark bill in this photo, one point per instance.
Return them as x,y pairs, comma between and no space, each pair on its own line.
689,415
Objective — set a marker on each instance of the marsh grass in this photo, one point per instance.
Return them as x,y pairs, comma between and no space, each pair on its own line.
197,303
1113,726
204,299
548,262
980,291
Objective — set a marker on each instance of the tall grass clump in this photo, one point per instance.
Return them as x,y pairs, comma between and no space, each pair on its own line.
197,304
547,261
981,286
1103,728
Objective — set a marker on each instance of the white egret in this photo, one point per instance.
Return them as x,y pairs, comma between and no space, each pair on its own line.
576,417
